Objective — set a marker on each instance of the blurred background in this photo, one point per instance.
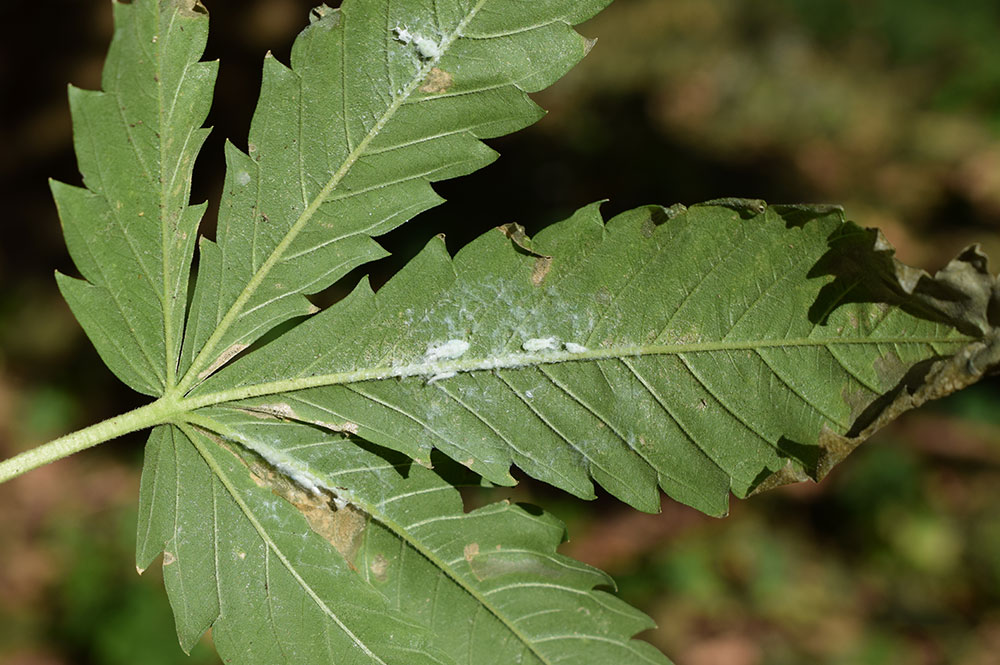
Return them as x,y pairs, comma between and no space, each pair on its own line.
890,107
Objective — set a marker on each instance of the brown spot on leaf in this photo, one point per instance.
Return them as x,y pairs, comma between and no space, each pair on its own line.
280,410
890,368
857,400
168,557
541,269
543,262
437,81
471,550
346,427
380,567
342,527
284,411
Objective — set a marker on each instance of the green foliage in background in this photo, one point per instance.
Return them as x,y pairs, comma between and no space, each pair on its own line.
954,40
292,484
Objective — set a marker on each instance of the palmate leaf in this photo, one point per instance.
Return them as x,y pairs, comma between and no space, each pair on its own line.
236,558
728,347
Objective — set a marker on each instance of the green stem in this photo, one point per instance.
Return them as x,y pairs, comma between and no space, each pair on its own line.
156,413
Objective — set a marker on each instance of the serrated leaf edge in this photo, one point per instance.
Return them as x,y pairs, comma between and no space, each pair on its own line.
311,481
205,355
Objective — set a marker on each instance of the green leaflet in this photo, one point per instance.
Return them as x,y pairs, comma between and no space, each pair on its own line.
672,349
488,584
244,562
131,232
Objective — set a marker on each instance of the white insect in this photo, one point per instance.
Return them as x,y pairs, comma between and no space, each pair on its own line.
426,47
440,351
573,347
536,344
450,350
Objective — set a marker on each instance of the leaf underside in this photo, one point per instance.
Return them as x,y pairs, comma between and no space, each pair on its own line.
488,585
677,352
130,231
304,496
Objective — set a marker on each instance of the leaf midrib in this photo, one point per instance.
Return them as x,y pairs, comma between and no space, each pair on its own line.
205,356
168,310
518,360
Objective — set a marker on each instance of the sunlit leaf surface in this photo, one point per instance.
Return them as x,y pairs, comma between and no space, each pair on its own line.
304,492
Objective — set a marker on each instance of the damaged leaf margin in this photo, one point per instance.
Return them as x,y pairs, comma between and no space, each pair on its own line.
963,294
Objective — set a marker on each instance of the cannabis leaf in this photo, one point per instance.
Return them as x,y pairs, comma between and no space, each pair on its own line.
361,147
301,490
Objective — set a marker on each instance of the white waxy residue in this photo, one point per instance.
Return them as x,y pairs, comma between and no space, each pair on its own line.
301,477
426,47
573,347
440,376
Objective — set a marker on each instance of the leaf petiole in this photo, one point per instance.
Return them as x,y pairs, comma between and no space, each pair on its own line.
155,413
